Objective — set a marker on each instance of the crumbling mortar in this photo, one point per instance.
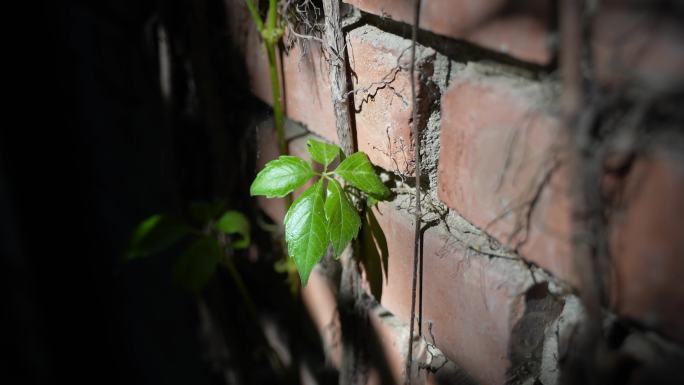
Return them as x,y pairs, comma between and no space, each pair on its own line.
433,76
427,357
462,235
466,236
436,85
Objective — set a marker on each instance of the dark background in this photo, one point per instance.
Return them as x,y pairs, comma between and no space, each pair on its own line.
86,152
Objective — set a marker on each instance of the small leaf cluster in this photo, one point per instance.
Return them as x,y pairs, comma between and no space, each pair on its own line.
323,214
210,232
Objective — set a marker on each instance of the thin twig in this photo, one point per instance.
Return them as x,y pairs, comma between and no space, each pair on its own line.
351,310
418,213
338,75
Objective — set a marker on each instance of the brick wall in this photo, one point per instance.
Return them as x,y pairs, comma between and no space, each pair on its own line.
500,283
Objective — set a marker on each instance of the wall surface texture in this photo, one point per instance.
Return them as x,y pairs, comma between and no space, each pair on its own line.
500,282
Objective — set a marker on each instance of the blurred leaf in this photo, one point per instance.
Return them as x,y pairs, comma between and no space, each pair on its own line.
358,171
321,152
343,220
287,266
234,222
197,264
306,231
155,234
281,176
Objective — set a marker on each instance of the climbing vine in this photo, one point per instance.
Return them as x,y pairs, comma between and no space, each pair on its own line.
323,214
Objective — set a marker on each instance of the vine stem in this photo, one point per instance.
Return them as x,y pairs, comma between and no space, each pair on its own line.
254,12
417,171
251,308
242,289
278,115
270,34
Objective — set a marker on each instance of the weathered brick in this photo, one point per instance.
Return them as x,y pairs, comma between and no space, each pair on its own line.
499,146
472,301
647,244
380,63
304,77
502,142
319,299
446,17
386,341
634,44
521,35
519,32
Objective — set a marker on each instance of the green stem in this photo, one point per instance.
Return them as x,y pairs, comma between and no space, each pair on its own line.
254,12
277,100
251,309
278,115
237,278
271,36
272,12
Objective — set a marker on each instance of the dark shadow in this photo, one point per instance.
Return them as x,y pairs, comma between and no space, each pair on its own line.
419,298
526,344
375,253
377,359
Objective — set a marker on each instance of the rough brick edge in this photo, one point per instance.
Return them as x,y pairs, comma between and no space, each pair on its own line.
389,341
460,235
521,33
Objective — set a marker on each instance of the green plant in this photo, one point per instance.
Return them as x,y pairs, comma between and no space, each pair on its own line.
323,214
271,31
213,236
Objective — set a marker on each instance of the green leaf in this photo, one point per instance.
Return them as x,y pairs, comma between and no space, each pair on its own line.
343,220
197,264
370,202
155,234
281,176
234,222
322,153
358,171
306,231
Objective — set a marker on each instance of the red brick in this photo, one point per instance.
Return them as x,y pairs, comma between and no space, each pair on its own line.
630,43
319,299
387,340
304,78
521,33
307,91
647,244
380,62
392,336
480,116
446,17
473,301
501,143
